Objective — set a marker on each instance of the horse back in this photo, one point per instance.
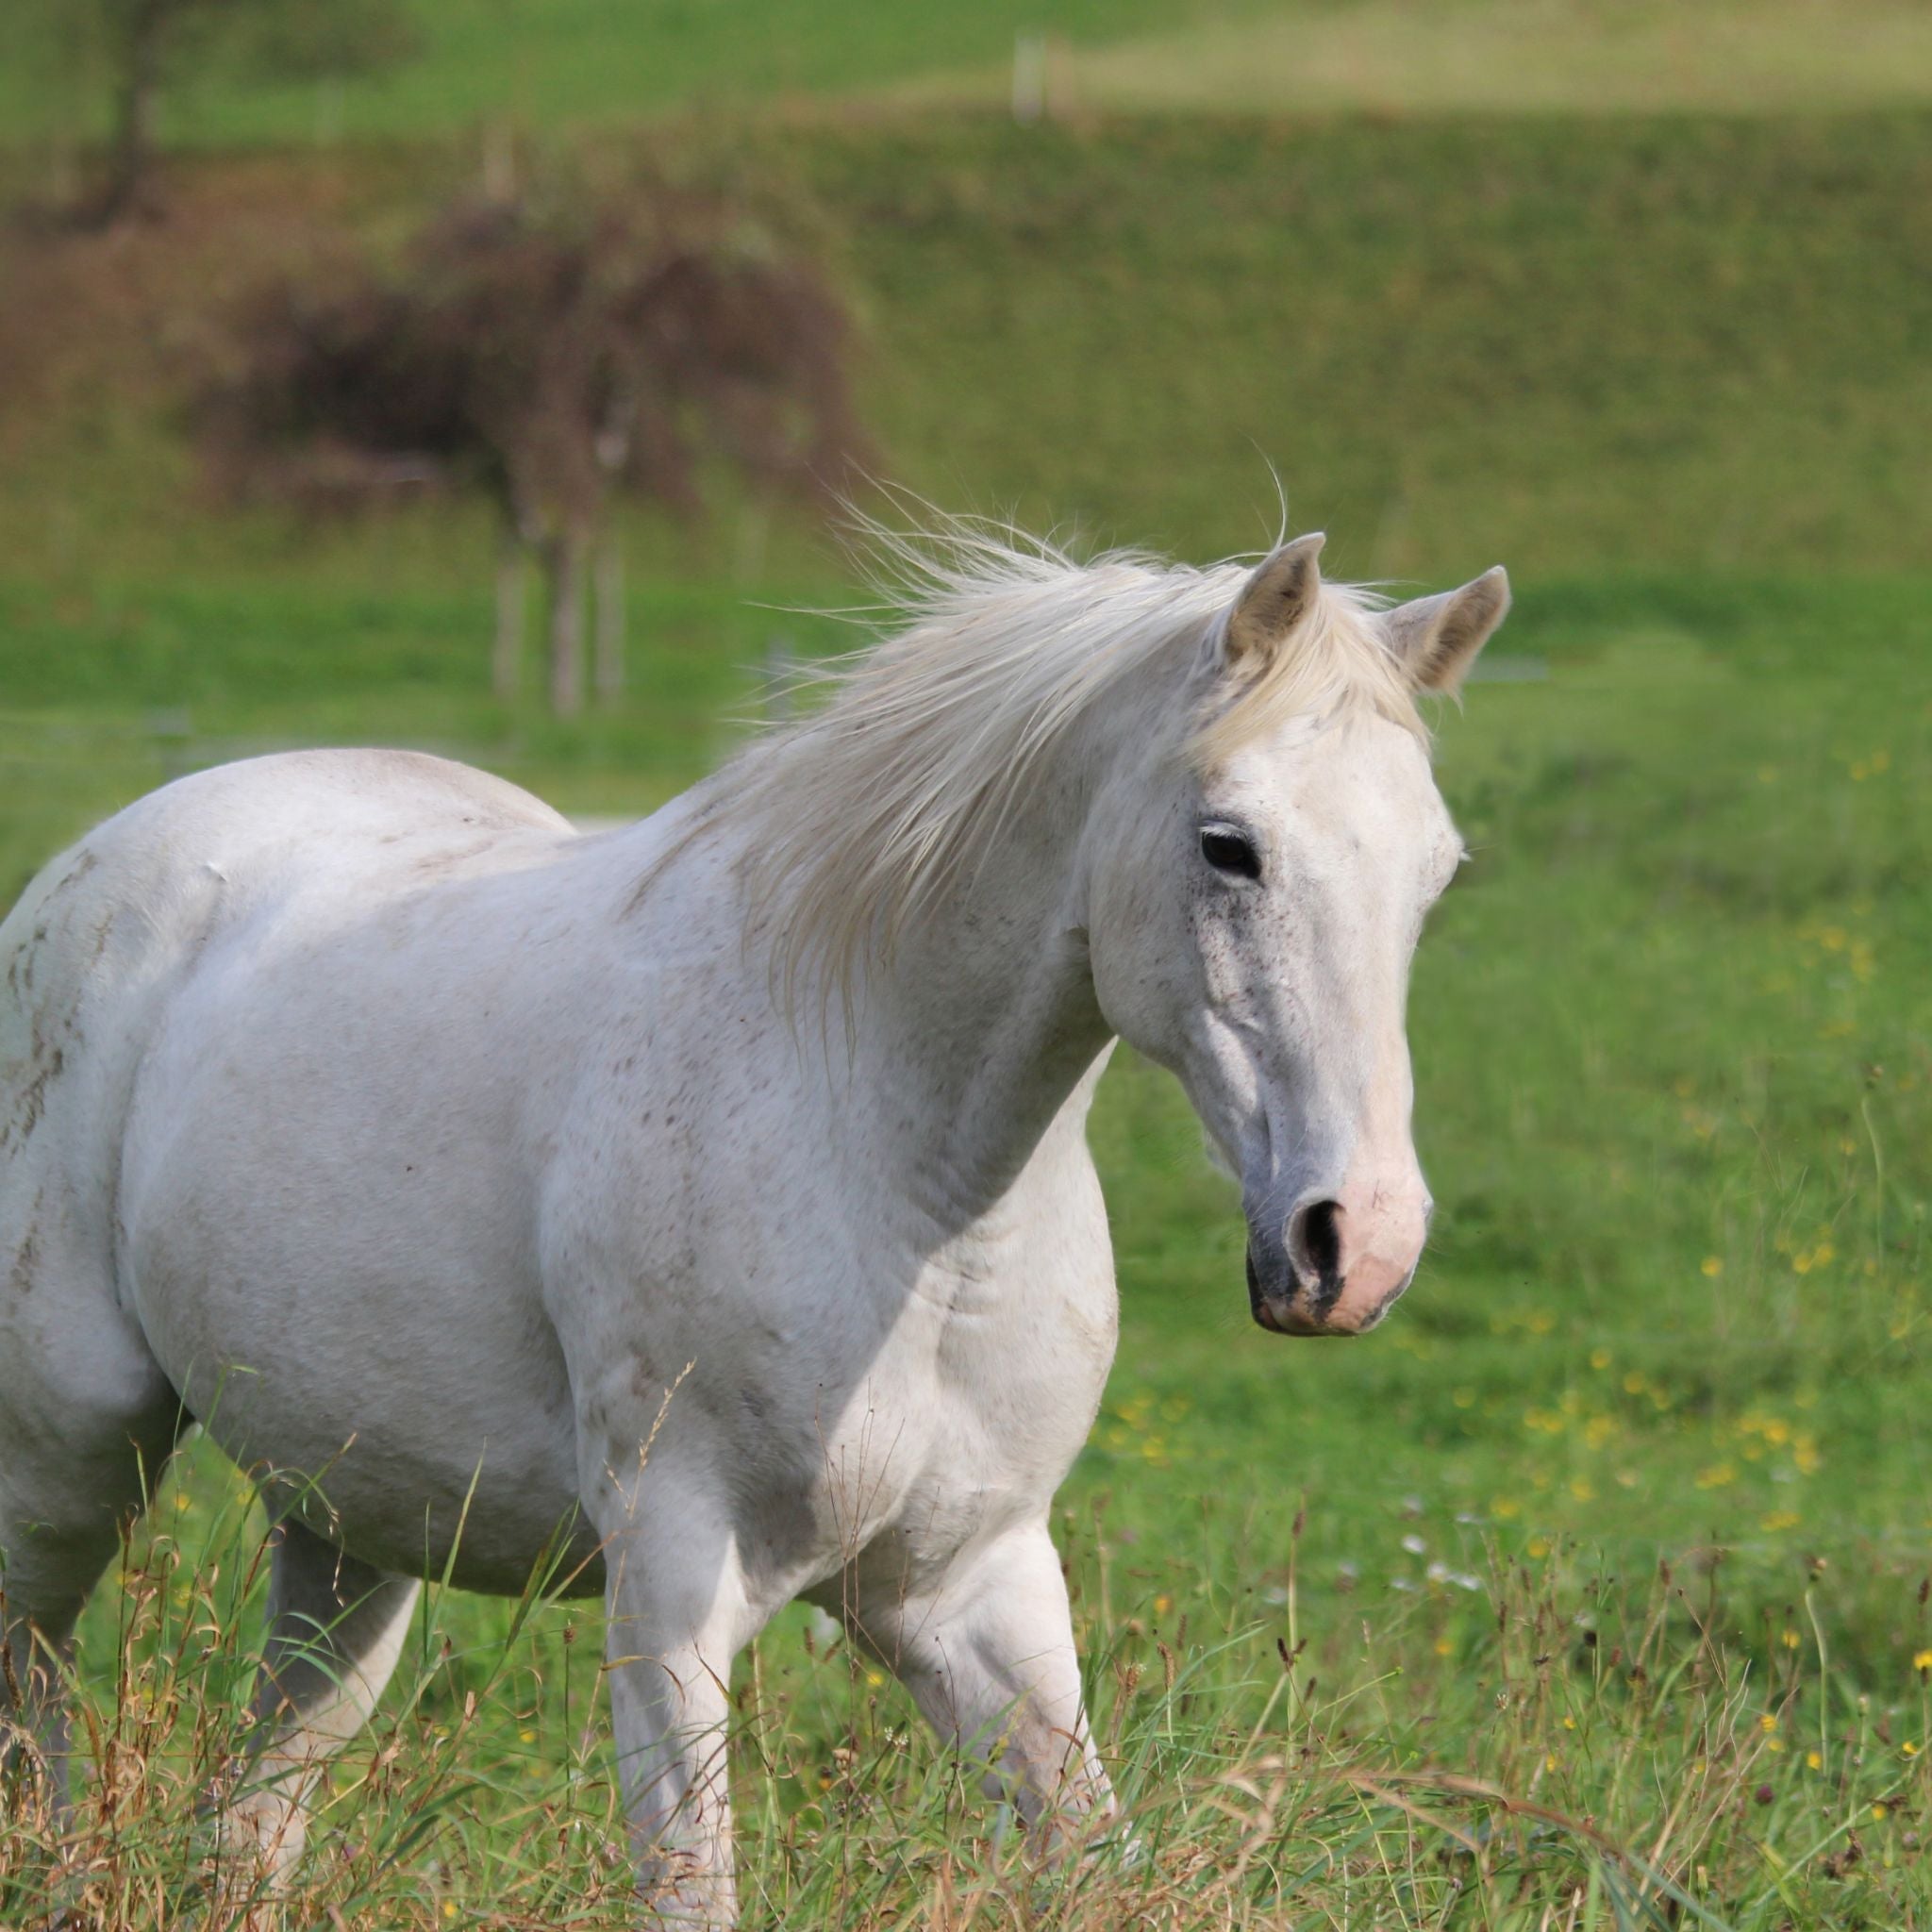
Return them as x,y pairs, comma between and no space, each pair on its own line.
106,932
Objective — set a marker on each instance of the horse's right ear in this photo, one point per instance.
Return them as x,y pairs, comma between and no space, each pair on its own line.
1275,599
1436,639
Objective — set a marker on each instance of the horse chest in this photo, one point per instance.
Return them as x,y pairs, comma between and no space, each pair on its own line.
970,1417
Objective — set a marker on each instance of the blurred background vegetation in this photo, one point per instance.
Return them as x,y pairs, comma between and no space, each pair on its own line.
1632,296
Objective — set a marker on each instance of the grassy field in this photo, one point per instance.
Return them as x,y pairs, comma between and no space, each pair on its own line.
574,63
1591,1591
1490,57
588,64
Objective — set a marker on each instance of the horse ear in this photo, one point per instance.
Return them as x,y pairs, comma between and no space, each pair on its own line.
1275,599
1437,638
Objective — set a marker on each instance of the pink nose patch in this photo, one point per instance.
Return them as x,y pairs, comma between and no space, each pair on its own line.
1379,1226
1369,1287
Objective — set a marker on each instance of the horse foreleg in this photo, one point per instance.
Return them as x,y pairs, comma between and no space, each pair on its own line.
676,1619
337,1628
990,1659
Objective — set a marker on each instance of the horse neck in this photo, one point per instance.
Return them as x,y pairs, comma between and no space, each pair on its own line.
982,1038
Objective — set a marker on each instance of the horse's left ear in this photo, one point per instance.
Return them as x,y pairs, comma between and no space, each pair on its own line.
1437,638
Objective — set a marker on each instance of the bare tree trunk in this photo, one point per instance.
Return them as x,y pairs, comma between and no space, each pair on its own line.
507,657
132,159
499,163
566,556
609,618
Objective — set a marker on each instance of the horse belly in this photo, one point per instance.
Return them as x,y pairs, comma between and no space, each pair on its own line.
494,1528
332,1257
436,1436
444,1426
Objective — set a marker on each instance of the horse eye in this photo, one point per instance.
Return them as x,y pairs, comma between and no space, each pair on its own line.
1228,851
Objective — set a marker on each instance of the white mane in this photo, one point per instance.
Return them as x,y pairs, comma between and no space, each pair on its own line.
882,797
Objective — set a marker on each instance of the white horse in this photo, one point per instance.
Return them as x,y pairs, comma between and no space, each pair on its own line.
354,1107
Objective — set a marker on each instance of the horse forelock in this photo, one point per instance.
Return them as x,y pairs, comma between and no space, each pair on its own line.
995,649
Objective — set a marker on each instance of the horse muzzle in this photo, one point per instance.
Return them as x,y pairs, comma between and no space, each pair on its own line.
1331,1271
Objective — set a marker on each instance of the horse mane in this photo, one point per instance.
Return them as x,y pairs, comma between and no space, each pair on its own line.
994,648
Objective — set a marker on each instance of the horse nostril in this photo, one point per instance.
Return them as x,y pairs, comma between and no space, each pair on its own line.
1314,1241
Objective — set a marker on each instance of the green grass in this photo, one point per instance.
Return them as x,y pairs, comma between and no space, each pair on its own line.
547,64
588,63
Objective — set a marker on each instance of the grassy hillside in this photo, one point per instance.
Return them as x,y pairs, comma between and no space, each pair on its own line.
1691,343
1683,344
